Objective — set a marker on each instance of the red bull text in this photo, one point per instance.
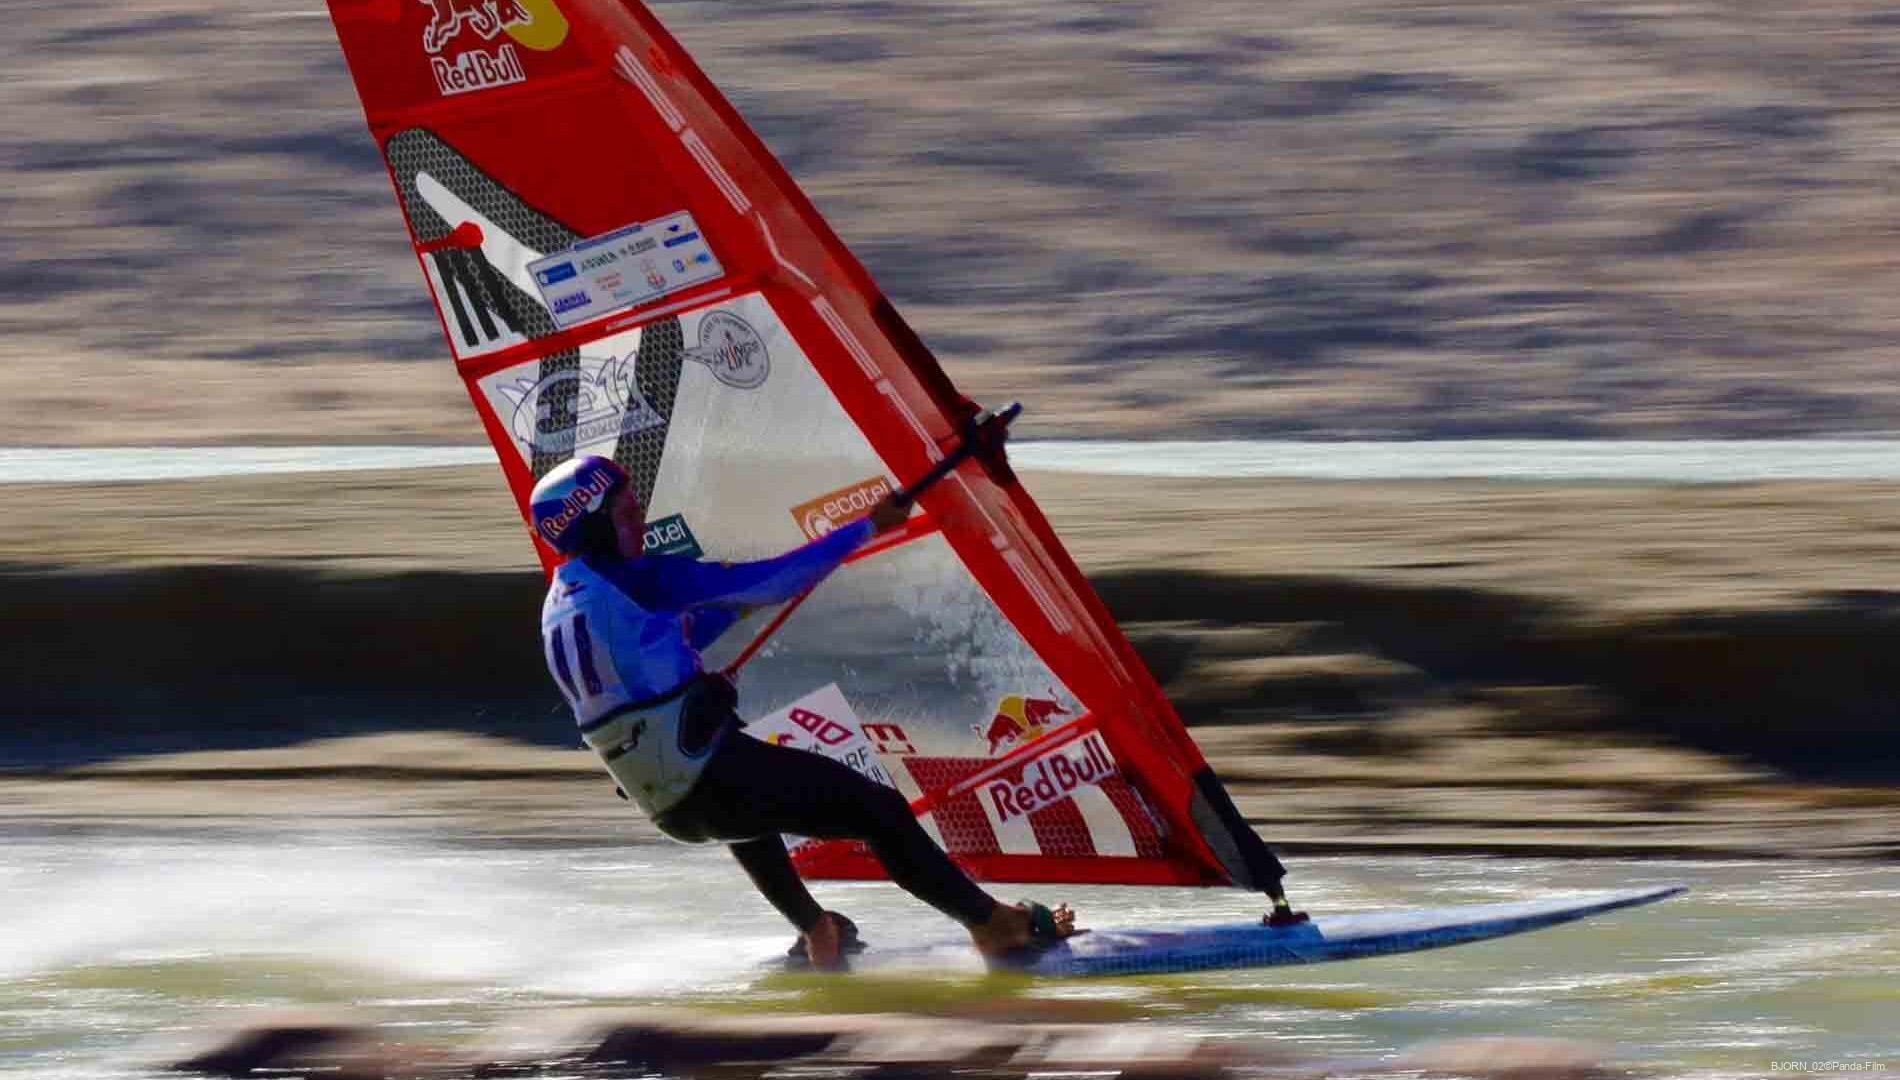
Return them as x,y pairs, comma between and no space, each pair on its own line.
476,70
577,503
1052,777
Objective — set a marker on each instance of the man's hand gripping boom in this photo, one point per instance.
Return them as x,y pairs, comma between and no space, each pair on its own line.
983,436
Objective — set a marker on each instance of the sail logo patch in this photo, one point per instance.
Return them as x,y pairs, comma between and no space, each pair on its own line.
623,269
732,350
823,722
585,408
670,536
448,18
572,301
535,24
1051,778
820,516
477,70
1017,720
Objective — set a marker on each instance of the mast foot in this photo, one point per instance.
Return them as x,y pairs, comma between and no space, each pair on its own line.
1283,914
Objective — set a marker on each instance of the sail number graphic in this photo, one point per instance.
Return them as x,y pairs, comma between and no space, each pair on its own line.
574,633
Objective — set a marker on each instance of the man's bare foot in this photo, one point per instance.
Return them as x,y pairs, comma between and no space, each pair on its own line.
1010,927
829,940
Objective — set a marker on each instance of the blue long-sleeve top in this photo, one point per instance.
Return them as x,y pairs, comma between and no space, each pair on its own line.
644,620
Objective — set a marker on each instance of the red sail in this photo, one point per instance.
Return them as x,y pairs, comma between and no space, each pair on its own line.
621,267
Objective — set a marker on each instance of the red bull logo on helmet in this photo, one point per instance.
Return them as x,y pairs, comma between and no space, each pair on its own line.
589,487
1018,719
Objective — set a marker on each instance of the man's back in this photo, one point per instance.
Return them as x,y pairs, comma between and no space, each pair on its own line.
606,651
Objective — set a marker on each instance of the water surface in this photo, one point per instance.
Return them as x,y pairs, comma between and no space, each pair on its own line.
119,946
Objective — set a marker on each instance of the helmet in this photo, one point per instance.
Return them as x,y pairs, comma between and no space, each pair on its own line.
569,497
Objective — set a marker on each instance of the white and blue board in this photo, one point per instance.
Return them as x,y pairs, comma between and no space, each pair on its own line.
1348,936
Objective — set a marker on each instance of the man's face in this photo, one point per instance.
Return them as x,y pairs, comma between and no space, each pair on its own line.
629,520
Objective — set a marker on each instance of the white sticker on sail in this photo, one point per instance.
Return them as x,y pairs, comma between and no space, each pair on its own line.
822,722
624,268
605,396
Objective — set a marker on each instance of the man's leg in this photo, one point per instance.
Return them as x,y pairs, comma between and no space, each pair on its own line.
753,790
769,866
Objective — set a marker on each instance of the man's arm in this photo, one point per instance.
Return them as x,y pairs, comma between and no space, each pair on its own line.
768,581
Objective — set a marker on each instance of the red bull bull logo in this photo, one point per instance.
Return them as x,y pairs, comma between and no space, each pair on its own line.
1019,719
488,18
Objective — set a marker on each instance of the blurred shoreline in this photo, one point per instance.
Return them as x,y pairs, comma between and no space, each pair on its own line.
1453,667
1562,461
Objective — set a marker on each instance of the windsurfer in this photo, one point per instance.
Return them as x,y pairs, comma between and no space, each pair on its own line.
623,630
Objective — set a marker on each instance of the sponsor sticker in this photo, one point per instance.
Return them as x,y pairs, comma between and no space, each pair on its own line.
823,723
595,482
732,350
890,739
624,268
535,24
555,274
670,536
841,507
1017,720
476,69
1050,778
586,408
461,66
487,18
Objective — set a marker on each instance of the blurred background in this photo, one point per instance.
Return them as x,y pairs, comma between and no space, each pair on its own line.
1216,218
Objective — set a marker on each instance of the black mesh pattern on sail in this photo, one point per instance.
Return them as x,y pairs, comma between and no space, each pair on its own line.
478,296
656,373
480,301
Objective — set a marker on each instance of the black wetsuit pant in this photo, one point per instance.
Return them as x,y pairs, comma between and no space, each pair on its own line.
752,791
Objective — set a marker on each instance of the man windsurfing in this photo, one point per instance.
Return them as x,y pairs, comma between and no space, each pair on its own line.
622,632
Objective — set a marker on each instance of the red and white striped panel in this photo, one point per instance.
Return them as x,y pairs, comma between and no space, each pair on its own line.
1070,800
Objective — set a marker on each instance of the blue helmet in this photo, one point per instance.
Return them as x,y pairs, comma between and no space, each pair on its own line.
569,497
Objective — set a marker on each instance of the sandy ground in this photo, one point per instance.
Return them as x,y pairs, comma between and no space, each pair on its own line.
1335,737
1611,548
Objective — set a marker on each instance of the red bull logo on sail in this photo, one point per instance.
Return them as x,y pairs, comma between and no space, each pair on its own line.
488,18
1019,719
477,70
1051,778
